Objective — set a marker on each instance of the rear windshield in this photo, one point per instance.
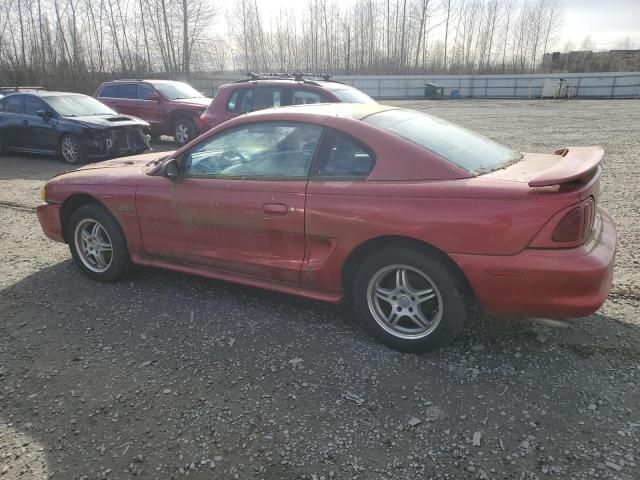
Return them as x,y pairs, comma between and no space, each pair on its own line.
462,147
352,95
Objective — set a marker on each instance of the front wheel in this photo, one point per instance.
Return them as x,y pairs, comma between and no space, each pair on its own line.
184,130
410,301
97,243
71,150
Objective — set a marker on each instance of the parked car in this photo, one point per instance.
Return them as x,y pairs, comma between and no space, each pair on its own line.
74,126
171,108
410,217
261,91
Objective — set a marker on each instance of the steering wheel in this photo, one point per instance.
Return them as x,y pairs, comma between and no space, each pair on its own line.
229,158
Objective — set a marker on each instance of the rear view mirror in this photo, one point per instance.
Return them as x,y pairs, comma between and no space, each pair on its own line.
154,97
170,170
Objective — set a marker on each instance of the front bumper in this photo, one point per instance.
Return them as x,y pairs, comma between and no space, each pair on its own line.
117,143
559,283
49,218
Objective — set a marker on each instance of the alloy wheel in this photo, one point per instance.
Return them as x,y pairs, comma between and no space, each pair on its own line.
70,150
404,301
93,245
182,133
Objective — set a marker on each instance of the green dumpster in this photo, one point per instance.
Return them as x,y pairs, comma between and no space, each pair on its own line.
431,90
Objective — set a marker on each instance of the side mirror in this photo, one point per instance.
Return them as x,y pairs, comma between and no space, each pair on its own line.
46,114
170,170
154,97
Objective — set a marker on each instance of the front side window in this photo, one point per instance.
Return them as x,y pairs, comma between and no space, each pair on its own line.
144,91
128,90
281,150
108,92
32,105
344,157
464,148
303,97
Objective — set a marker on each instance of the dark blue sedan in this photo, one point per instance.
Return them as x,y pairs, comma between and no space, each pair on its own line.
76,127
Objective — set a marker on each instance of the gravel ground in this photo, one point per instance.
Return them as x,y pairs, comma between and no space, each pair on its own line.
166,375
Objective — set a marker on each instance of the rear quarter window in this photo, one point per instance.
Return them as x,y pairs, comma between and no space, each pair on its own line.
464,148
108,92
14,104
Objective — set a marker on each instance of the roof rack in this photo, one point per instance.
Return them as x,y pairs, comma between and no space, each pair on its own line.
19,88
297,76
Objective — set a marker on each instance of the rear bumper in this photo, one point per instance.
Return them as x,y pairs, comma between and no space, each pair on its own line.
559,283
49,218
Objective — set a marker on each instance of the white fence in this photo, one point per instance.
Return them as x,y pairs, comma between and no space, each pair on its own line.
581,85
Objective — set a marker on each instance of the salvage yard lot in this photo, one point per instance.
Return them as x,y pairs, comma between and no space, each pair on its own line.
166,375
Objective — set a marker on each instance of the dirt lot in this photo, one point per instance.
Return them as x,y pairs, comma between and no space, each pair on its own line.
166,375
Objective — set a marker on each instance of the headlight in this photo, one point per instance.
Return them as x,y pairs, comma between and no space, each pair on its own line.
43,194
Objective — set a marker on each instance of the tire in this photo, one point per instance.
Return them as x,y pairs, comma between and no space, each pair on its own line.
3,145
418,311
184,130
115,263
71,150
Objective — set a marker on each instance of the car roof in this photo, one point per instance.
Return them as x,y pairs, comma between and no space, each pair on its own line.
355,111
141,80
44,93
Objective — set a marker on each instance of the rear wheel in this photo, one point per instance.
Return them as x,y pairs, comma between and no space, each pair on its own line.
184,130
71,150
97,243
408,300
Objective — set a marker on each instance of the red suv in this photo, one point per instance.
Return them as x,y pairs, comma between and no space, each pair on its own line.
171,108
261,91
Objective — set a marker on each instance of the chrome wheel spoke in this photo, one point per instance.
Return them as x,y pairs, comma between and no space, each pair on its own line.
419,319
104,246
424,295
384,294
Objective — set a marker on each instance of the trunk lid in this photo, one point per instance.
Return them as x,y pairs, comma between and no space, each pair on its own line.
569,165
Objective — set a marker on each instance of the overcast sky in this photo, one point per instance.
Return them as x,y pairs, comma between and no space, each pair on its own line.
607,21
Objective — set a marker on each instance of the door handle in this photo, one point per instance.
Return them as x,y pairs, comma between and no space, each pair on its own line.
275,208
25,122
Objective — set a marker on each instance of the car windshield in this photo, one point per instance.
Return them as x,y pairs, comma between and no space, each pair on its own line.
78,106
462,147
177,90
352,95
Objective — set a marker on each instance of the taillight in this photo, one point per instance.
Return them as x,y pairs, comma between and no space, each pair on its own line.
576,225
569,229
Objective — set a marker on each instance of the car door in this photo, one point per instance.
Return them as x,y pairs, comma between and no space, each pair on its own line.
12,121
109,95
240,204
127,98
151,111
41,131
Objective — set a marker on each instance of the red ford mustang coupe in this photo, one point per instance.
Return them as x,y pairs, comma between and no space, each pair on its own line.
411,218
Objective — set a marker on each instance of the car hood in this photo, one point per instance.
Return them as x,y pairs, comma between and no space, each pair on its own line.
196,102
118,171
107,121
135,161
